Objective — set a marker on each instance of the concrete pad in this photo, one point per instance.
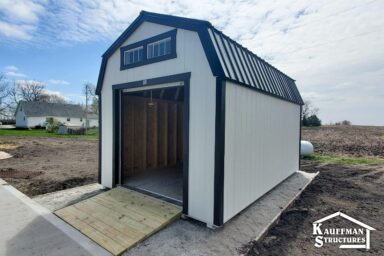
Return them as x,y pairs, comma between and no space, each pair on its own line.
29,229
60,199
4,155
187,237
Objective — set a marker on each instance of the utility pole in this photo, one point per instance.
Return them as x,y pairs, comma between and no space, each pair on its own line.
86,106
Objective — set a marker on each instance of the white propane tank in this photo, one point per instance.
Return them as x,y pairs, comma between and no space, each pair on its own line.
306,148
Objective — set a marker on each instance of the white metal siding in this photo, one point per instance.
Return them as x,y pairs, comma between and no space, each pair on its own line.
190,58
261,145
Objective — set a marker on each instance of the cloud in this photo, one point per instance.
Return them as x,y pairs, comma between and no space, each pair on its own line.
58,82
13,71
19,18
21,10
14,31
23,82
334,50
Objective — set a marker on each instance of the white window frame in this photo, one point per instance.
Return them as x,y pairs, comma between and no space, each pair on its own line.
151,54
127,52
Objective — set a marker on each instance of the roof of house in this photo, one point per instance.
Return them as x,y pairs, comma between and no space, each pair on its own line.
228,59
38,109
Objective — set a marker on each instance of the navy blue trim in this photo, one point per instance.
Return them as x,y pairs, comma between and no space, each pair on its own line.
218,211
301,123
116,136
153,81
144,44
186,143
100,139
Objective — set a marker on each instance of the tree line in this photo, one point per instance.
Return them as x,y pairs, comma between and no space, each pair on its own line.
12,92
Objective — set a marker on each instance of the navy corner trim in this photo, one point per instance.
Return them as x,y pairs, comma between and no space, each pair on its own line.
218,217
100,140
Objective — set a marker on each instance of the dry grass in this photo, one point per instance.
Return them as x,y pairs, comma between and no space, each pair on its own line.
7,146
356,141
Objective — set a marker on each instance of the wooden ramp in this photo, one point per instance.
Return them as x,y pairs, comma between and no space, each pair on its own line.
119,218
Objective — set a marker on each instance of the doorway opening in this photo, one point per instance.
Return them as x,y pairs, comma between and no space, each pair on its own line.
152,141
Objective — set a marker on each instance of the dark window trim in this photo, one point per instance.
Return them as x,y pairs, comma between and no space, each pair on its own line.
144,44
117,91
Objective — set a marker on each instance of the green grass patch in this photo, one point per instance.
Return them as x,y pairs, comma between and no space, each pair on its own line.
345,159
91,133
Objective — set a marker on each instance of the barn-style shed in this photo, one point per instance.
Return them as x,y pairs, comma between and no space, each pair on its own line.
190,116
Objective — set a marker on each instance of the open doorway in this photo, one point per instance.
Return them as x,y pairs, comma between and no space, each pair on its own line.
152,141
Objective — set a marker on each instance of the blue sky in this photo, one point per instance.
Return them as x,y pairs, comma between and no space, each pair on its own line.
334,49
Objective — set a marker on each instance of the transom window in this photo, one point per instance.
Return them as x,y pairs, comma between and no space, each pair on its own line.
159,48
133,55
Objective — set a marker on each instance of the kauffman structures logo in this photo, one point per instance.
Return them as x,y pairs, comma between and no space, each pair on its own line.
359,237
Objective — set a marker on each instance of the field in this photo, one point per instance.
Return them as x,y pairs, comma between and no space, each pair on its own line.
352,141
351,180
45,164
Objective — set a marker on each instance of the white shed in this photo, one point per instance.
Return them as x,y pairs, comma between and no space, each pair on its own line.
190,116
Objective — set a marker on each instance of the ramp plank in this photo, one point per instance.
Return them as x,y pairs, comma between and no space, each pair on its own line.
119,218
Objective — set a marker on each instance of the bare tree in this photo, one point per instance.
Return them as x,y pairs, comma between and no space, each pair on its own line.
89,91
31,90
52,98
94,108
3,94
309,109
13,98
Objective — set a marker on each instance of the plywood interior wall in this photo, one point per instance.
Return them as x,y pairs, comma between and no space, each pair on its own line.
152,134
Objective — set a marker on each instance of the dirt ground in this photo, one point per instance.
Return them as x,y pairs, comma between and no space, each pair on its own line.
43,165
346,140
356,190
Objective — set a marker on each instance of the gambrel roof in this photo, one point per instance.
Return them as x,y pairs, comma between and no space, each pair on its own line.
42,109
226,58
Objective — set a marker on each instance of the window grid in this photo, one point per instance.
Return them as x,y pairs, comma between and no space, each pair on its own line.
159,48
133,55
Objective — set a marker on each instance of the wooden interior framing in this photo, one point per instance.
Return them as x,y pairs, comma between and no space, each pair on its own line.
152,133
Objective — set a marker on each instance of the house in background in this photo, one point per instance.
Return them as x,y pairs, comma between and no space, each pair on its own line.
92,120
30,114
191,116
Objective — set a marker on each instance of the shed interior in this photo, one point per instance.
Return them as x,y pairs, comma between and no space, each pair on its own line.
152,141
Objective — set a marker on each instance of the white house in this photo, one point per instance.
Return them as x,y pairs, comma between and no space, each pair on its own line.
191,116
32,114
